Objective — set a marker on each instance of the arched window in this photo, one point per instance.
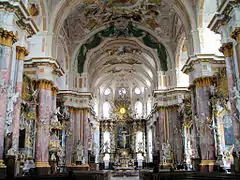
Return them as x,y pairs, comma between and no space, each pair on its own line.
107,92
106,109
139,109
137,91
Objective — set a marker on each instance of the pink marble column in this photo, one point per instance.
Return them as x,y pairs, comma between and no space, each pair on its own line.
69,140
78,135
45,111
6,41
81,125
205,134
227,50
75,130
86,132
236,36
161,129
195,140
21,53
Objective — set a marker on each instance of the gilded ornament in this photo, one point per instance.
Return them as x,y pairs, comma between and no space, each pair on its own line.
21,53
236,34
7,38
227,49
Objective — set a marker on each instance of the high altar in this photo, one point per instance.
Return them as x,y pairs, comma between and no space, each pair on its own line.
123,138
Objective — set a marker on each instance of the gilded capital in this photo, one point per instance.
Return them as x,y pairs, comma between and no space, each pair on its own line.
45,84
227,49
7,38
203,82
236,34
22,52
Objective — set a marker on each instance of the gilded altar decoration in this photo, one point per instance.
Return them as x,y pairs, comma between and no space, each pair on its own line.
54,143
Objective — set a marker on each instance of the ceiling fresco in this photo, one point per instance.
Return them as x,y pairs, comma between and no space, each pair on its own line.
93,22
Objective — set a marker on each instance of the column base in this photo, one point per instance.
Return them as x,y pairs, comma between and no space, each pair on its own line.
207,165
42,168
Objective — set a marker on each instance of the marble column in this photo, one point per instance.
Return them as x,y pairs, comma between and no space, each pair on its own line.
43,134
86,132
162,129
236,36
69,139
205,133
54,98
21,53
178,138
7,39
75,127
195,139
81,125
227,50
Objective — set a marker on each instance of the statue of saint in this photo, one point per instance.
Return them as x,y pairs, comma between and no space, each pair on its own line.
166,148
106,146
80,150
61,156
12,99
54,118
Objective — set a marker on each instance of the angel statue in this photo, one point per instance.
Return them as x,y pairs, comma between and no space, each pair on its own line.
54,118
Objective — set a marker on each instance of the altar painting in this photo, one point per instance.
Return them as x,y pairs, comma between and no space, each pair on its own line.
228,130
123,140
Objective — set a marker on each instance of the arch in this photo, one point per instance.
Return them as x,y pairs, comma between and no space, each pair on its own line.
183,9
147,39
180,45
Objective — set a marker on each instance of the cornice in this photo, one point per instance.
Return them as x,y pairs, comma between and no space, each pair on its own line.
72,93
200,58
44,61
176,90
24,21
222,15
